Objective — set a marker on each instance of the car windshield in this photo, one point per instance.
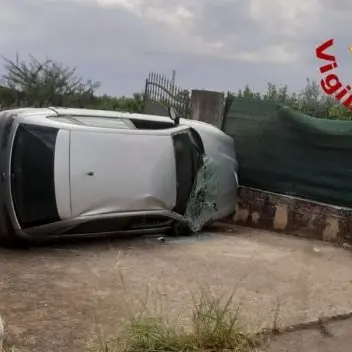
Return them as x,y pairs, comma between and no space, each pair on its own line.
32,168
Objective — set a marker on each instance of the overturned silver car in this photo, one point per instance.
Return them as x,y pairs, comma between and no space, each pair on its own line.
73,172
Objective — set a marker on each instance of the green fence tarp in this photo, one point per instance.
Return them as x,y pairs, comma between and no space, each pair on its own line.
284,151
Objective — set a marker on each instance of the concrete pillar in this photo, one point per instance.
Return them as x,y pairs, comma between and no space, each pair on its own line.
207,106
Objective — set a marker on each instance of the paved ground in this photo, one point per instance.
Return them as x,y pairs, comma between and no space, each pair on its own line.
55,298
336,337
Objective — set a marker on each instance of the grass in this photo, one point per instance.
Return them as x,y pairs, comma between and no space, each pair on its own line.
215,328
8,347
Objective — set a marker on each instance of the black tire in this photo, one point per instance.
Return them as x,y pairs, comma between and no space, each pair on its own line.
7,241
8,237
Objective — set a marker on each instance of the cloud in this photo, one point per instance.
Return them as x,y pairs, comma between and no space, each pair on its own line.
213,44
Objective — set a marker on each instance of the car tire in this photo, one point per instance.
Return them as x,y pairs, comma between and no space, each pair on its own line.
8,238
9,241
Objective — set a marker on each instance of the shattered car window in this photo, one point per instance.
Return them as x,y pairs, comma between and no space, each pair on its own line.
201,206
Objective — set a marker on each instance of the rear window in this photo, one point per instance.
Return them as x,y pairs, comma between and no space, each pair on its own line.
32,168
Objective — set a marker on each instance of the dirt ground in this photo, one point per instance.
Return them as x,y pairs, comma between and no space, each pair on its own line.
56,298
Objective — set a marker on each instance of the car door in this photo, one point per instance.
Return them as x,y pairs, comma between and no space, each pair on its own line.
121,171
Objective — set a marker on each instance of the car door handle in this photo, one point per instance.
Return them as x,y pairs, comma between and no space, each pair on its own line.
90,173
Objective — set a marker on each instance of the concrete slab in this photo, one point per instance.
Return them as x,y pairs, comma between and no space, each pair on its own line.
56,298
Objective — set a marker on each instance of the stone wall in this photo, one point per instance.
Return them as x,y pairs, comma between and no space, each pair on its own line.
300,217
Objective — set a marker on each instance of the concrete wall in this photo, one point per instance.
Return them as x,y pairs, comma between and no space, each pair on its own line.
207,106
260,209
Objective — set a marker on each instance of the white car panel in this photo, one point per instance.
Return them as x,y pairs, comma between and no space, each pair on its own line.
129,172
62,174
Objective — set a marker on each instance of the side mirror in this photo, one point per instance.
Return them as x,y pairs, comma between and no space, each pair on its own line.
173,115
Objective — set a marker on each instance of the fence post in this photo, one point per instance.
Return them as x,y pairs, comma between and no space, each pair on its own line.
207,106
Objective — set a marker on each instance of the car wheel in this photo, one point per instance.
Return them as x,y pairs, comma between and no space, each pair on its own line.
8,238
9,241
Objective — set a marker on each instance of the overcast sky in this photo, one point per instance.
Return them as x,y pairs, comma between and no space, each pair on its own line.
212,44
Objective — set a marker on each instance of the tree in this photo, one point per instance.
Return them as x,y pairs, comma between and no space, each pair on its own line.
47,82
310,100
340,112
50,83
134,104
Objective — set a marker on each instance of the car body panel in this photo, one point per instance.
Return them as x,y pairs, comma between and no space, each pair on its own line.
112,172
62,174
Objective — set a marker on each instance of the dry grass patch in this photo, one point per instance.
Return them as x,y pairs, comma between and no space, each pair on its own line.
215,327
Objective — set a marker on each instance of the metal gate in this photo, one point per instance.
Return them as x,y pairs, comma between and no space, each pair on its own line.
161,93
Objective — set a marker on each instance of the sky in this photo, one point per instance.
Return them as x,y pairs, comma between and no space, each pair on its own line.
212,44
